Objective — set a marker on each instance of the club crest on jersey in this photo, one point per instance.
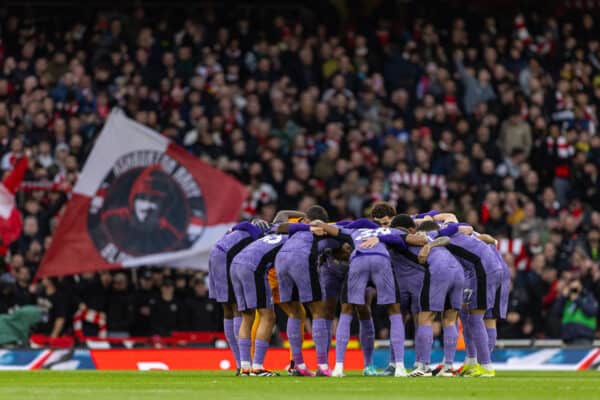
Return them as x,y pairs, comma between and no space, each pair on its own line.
148,203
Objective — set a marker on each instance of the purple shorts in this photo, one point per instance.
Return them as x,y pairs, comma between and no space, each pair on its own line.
219,271
481,290
431,289
332,278
370,268
251,287
501,301
442,288
298,278
219,282
409,285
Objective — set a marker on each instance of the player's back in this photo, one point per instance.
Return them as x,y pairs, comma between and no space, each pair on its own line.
465,247
262,250
231,239
362,234
300,242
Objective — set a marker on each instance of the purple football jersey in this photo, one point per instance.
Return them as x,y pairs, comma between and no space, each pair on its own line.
262,250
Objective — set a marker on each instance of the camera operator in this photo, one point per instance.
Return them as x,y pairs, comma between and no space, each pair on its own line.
578,309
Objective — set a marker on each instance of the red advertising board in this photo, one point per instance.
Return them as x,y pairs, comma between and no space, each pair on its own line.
201,359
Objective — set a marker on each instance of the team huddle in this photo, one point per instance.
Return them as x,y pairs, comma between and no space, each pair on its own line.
421,266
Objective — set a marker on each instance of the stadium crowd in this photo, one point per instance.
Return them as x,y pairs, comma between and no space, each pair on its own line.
494,118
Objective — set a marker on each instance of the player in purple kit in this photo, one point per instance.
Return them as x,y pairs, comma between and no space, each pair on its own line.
491,315
433,279
253,294
501,304
297,273
483,278
219,265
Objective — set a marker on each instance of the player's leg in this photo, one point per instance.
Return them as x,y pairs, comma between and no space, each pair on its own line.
356,280
342,337
423,344
405,302
490,327
366,335
255,325
221,290
480,338
485,301
243,291
330,305
397,338
306,279
388,294
295,332
245,341
320,335
449,319
452,304
289,302
229,328
261,343
499,309
274,285
266,315
470,348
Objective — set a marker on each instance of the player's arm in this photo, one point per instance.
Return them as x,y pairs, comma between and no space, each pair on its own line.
448,230
445,217
415,240
246,226
396,241
285,215
283,228
431,214
465,228
484,237
425,250
291,228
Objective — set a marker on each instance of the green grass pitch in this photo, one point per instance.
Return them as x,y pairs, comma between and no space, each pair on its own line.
171,385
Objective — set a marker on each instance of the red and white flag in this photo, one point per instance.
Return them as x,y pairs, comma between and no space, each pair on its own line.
141,200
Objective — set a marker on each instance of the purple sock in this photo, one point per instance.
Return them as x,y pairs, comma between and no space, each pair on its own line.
260,350
319,334
450,339
329,333
294,333
423,344
397,337
470,348
231,340
492,334
244,346
392,355
342,336
366,335
480,338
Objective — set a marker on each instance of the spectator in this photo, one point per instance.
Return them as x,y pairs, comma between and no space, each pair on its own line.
166,311
578,310
515,134
55,302
119,308
145,298
201,312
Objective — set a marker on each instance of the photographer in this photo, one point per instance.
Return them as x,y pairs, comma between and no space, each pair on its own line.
578,309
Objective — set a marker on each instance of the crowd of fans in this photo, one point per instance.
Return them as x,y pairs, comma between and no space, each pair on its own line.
493,118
